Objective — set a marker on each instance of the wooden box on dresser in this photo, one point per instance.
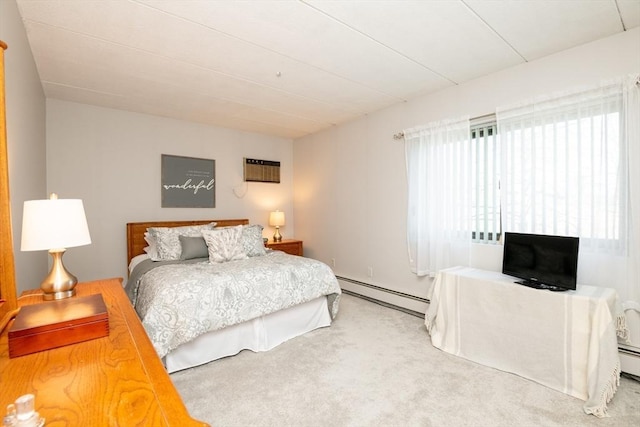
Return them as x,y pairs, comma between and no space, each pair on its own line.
117,380
290,246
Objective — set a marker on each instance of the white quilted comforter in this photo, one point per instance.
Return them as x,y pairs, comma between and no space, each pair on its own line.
179,302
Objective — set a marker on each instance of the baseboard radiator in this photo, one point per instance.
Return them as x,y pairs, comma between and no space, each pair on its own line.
385,290
630,361
629,351
632,353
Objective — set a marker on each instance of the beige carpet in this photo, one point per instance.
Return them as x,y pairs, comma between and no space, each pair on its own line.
375,366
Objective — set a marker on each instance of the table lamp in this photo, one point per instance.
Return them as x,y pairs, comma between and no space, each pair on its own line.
54,225
276,219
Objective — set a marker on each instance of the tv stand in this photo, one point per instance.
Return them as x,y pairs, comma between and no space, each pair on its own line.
539,285
567,341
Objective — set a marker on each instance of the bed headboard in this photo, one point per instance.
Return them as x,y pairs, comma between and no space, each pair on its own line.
136,230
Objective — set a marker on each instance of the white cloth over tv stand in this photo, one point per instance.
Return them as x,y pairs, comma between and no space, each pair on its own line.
564,340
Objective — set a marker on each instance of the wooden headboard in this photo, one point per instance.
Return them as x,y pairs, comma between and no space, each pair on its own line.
136,230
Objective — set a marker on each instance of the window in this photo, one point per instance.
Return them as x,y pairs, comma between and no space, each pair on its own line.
562,176
486,183
563,171
557,166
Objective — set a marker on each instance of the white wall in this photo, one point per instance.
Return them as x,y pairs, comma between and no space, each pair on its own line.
111,160
350,181
25,108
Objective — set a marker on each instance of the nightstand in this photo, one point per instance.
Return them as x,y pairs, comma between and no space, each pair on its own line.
290,246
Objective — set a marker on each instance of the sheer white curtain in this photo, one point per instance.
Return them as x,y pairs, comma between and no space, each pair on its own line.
439,171
569,167
631,136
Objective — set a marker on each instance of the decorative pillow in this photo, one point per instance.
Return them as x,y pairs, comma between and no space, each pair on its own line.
193,247
151,249
224,244
252,240
168,243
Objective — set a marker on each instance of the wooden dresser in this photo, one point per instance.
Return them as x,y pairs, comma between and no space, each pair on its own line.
290,246
111,381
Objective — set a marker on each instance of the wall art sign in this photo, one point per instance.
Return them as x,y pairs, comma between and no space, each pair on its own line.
188,182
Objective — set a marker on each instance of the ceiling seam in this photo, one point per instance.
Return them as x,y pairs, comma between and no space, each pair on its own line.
624,27
273,51
231,76
494,30
355,30
49,82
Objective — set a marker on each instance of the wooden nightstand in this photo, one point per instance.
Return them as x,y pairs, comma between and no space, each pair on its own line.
290,246
114,380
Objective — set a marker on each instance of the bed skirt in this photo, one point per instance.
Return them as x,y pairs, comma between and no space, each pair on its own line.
260,334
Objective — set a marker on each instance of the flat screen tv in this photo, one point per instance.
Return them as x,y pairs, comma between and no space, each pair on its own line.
541,261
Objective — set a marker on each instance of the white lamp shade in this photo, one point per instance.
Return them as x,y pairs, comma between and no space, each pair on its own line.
54,224
276,219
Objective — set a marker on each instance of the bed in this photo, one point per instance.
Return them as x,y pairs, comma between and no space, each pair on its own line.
213,301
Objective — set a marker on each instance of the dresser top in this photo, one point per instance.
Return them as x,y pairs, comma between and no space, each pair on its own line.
115,380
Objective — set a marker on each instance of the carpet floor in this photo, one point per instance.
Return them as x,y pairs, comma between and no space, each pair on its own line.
375,366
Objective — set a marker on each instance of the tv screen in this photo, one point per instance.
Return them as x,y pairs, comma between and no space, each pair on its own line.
542,261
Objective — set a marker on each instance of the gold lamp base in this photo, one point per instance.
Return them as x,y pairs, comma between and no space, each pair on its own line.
59,283
277,237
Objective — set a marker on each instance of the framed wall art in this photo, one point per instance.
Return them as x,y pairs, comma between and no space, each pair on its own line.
188,182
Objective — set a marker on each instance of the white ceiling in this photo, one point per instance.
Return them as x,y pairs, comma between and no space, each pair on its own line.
290,68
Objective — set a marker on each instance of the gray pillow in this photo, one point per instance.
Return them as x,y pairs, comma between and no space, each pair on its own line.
167,242
193,247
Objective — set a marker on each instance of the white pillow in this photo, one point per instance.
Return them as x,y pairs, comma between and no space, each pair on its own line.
168,242
224,244
252,240
151,249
